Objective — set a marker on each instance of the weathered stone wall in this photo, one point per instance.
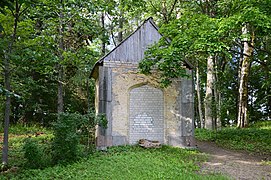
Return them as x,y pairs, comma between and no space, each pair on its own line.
184,135
125,77
118,78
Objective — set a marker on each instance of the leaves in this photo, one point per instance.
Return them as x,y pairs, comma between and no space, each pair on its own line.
195,35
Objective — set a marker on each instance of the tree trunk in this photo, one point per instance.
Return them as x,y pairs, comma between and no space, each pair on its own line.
217,98
120,33
209,119
268,90
242,120
60,99
7,80
216,108
88,95
103,34
7,109
199,98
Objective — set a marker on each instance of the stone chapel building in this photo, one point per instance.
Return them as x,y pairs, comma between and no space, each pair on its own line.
134,104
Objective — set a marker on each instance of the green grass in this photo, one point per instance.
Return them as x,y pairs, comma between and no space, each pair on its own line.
17,135
133,162
24,129
127,162
123,162
256,139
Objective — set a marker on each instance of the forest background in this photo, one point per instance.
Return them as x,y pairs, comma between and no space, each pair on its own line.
48,48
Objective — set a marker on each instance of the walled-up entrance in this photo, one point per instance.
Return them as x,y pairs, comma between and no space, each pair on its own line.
146,114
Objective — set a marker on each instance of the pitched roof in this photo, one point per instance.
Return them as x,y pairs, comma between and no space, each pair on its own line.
123,46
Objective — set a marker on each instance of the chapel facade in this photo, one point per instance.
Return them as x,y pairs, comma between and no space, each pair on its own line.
135,105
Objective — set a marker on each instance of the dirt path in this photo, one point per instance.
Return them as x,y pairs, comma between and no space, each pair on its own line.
237,165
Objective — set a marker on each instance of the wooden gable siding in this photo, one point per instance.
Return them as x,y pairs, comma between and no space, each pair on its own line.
132,48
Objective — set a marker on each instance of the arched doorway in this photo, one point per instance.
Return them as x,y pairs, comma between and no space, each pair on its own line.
146,115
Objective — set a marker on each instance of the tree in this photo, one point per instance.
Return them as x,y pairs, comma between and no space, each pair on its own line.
16,8
245,64
209,100
35,46
252,19
212,30
77,29
191,39
198,89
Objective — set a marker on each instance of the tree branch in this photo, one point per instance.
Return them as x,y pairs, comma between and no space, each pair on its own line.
112,35
240,53
11,11
153,6
172,8
23,11
260,62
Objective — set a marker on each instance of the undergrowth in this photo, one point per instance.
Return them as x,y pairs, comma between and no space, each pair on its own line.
256,139
127,162
29,158
18,135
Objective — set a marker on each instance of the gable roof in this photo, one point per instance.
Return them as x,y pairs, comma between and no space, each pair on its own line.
132,48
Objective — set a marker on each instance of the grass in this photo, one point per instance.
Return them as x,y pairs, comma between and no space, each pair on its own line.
133,162
123,162
256,139
127,162
23,129
17,135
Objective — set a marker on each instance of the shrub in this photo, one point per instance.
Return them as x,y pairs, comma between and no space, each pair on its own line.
66,141
69,130
36,156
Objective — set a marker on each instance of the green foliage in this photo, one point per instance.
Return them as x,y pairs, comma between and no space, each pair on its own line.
66,139
167,61
39,147
72,132
36,155
128,162
192,37
101,120
36,53
256,139
214,28
18,135
26,129
262,125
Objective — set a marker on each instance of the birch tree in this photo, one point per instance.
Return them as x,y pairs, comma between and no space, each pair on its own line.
246,23
209,94
245,64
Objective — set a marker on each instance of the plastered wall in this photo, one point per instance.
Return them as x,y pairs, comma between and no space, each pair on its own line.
125,80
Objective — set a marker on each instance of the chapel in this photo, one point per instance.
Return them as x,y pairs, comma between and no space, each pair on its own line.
135,105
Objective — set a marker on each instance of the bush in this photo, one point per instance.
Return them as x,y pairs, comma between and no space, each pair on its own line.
36,156
68,130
